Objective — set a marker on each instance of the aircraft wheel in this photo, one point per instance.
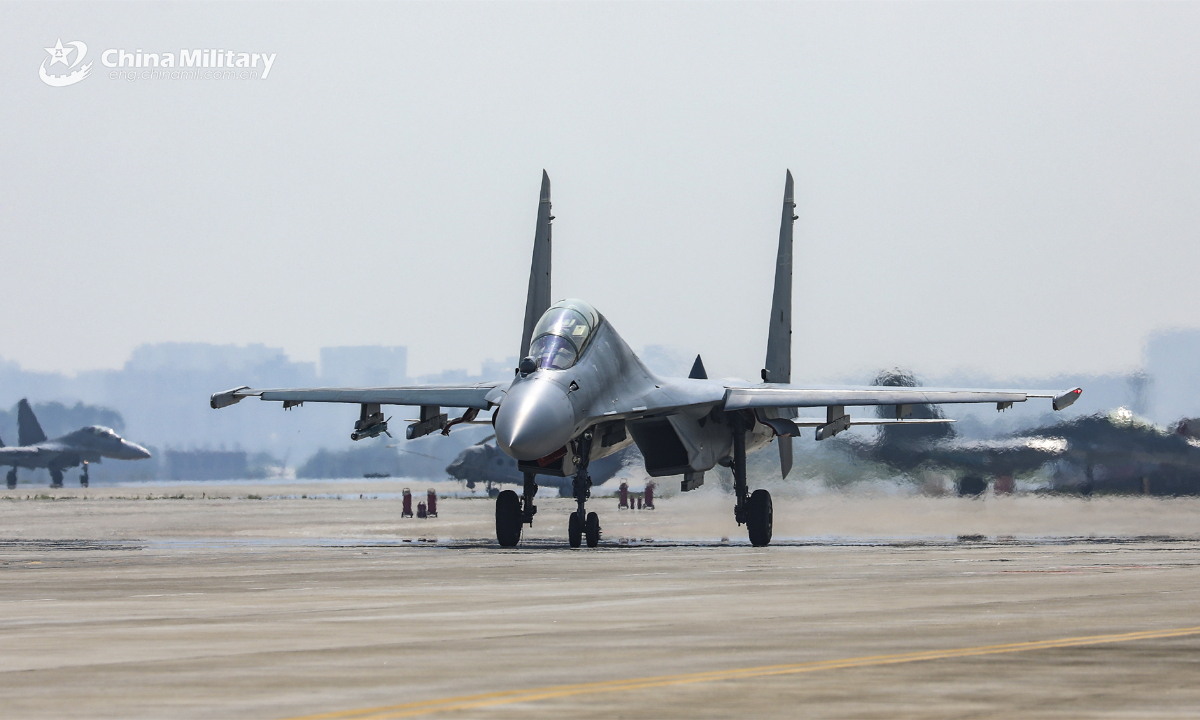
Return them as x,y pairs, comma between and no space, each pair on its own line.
12,479
508,519
575,530
759,518
592,529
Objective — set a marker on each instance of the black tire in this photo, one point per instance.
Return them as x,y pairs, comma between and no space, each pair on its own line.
11,479
759,518
575,530
592,530
508,519
972,486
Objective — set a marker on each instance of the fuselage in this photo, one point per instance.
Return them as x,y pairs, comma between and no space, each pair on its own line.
89,444
607,391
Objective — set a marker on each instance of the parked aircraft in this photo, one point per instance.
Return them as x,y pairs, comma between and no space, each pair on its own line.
580,394
86,445
484,462
1114,452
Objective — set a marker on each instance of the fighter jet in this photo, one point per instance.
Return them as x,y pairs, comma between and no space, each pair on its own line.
84,446
580,394
484,462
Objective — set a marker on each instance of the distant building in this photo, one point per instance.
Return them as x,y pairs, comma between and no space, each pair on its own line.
206,464
364,365
1173,370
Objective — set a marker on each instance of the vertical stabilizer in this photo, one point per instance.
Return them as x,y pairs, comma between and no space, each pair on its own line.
538,299
778,366
29,430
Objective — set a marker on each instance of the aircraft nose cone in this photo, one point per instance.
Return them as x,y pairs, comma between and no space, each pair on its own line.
135,451
535,419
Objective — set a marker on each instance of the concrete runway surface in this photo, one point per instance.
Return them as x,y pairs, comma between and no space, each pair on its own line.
118,606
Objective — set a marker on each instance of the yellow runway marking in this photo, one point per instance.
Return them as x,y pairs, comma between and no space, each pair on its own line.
508,697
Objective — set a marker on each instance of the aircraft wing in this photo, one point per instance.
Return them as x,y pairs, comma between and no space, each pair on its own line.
10,455
776,395
480,396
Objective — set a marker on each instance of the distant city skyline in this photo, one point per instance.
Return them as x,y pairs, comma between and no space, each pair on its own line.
1000,188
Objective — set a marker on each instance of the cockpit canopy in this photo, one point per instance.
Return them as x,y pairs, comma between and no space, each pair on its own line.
563,332
100,431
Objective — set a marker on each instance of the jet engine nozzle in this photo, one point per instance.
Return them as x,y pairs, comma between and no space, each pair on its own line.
536,419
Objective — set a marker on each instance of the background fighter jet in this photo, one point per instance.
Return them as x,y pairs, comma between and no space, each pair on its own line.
86,445
1115,452
485,462
581,394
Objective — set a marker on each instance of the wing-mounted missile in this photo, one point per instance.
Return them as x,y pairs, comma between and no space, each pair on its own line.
371,423
432,420
836,421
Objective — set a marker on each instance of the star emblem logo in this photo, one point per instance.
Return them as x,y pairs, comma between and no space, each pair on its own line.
58,53
76,70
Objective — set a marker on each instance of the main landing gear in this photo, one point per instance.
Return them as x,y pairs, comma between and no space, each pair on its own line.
56,477
12,479
513,512
583,523
754,511
83,476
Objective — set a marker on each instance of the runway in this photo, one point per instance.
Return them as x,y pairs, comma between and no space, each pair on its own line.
337,609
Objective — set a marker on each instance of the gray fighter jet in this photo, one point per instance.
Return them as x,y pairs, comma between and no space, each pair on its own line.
84,446
580,394
484,462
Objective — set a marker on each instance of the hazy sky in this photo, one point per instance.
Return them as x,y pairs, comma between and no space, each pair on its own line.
1011,188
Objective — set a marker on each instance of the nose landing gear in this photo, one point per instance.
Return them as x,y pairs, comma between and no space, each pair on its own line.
83,477
12,479
583,523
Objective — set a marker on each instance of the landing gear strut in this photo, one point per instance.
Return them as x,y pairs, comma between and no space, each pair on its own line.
12,479
528,509
755,511
56,477
83,477
582,522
